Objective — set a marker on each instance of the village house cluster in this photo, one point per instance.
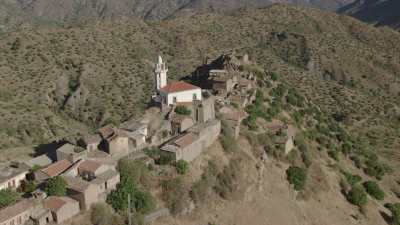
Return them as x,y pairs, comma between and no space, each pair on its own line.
183,123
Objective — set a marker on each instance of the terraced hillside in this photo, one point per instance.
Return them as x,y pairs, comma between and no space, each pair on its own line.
57,83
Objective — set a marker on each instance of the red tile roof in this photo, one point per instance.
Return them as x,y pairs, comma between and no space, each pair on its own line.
185,140
57,168
107,131
53,203
178,86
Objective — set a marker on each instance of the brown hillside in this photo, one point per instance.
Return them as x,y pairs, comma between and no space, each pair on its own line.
59,82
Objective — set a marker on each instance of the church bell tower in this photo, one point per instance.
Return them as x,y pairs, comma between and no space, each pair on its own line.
161,74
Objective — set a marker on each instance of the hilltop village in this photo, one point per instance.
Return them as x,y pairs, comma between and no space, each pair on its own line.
183,120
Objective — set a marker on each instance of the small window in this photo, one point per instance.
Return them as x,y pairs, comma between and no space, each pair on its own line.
194,96
174,100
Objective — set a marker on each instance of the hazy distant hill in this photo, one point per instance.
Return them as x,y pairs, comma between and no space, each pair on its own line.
15,12
378,12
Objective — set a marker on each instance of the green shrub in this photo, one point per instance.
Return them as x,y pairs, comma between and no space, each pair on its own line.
357,196
351,179
8,197
56,186
374,190
141,200
160,157
182,166
376,169
182,110
274,76
395,209
334,154
28,186
297,177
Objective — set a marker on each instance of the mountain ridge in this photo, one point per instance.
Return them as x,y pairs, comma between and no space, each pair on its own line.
377,12
67,12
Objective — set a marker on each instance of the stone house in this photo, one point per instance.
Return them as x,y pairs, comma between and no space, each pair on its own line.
222,81
61,208
82,191
191,144
71,153
115,141
204,110
91,142
91,169
41,216
90,182
16,214
13,176
137,133
232,118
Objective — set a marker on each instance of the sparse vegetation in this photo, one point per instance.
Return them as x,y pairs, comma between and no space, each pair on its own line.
8,197
374,190
103,214
395,209
175,195
182,110
357,196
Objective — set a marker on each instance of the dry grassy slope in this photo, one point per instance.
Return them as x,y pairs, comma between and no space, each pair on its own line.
57,82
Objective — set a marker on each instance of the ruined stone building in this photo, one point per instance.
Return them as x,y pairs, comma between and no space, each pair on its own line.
17,214
61,208
192,143
13,176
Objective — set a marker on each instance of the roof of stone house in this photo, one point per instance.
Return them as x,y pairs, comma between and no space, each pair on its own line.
107,131
118,134
39,212
15,209
92,139
107,175
55,203
218,71
133,125
185,140
57,168
70,149
43,160
9,172
76,183
178,86
89,165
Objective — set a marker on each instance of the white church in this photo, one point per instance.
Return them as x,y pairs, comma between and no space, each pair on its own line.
174,92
